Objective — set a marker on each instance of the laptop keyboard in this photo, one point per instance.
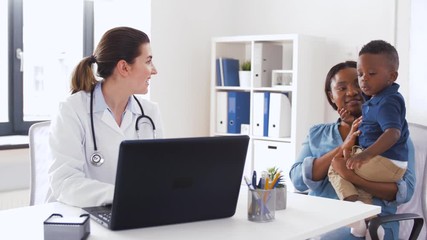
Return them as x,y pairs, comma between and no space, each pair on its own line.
106,216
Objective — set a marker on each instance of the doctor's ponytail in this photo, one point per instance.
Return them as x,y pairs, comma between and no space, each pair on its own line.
83,77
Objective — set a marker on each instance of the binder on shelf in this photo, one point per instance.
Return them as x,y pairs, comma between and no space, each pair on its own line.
228,72
238,110
266,112
279,124
219,77
221,112
261,113
258,121
267,57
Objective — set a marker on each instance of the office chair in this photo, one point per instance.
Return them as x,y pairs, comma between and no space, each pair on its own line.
377,221
411,215
41,158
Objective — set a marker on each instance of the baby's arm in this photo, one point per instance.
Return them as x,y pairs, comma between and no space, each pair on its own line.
383,143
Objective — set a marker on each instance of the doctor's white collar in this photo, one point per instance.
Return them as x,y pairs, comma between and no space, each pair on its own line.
99,104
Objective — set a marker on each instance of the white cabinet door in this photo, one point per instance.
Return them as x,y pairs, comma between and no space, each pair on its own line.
268,154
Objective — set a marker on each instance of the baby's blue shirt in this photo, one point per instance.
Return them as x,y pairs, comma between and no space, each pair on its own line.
383,111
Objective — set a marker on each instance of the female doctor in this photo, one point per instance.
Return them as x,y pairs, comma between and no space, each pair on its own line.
100,114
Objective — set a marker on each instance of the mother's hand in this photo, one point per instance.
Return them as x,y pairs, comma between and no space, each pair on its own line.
339,165
346,116
351,138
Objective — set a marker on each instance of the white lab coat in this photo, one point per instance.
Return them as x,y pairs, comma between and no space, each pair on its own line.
74,180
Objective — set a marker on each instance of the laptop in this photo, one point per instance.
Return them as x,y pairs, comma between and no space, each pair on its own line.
168,181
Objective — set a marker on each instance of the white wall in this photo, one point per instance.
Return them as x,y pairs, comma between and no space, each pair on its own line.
182,32
116,13
402,37
417,112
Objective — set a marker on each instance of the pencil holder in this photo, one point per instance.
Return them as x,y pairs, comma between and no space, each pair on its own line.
261,205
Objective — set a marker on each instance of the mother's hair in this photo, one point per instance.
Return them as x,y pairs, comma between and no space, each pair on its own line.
331,74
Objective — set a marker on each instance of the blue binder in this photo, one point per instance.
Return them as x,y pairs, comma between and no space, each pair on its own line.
266,112
238,110
219,81
230,71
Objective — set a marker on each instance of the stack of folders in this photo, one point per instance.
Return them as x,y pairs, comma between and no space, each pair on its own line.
227,72
232,110
272,115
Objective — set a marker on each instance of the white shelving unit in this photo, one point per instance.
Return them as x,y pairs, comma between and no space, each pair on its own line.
300,76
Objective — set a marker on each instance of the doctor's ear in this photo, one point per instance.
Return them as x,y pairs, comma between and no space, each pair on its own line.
122,67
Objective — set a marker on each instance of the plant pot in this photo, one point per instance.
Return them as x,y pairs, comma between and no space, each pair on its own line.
245,78
281,196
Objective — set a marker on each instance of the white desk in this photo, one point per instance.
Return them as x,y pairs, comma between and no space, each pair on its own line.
304,217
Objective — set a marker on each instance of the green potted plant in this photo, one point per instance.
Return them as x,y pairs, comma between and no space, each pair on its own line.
245,74
246,66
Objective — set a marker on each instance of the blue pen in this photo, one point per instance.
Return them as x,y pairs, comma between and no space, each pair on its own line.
260,183
254,179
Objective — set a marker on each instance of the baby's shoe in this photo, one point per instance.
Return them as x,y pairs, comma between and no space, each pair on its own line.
358,229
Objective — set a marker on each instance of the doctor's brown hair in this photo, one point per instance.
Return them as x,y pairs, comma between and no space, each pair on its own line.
121,43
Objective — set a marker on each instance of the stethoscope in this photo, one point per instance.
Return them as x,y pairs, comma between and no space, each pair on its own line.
97,159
